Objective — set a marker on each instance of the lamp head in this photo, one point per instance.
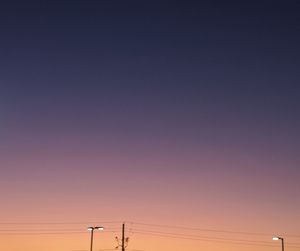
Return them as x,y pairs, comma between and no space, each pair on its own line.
99,228
95,228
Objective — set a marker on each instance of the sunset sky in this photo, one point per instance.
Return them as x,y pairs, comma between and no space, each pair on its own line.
179,118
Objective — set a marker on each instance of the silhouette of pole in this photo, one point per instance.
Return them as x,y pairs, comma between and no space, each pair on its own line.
123,237
276,238
92,235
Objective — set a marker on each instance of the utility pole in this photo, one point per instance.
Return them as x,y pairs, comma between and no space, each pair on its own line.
123,237
124,241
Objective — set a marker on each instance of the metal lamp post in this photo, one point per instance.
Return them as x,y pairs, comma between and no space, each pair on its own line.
277,238
92,234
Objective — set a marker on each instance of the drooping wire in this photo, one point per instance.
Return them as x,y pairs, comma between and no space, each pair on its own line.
210,240
209,230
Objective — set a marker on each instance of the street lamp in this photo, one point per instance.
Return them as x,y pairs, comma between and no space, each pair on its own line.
277,238
92,234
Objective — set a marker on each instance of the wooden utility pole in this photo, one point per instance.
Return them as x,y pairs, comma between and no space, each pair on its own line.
123,237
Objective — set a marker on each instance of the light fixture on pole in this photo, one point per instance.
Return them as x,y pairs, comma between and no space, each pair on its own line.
277,238
92,234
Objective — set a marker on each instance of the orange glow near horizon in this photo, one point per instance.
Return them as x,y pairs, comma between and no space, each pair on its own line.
141,237
234,201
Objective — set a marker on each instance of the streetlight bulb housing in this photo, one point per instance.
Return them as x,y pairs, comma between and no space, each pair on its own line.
99,228
90,228
276,238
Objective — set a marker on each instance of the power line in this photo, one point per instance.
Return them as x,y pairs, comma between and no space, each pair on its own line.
211,240
179,235
49,229
58,223
200,239
196,236
147,224
199,229
209,230
51,233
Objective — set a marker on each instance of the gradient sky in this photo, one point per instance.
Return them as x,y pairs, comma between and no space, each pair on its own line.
168,113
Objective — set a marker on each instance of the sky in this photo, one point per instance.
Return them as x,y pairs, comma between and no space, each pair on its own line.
174,117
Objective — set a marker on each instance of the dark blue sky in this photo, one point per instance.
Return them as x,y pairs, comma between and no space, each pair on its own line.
219,62
220,73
